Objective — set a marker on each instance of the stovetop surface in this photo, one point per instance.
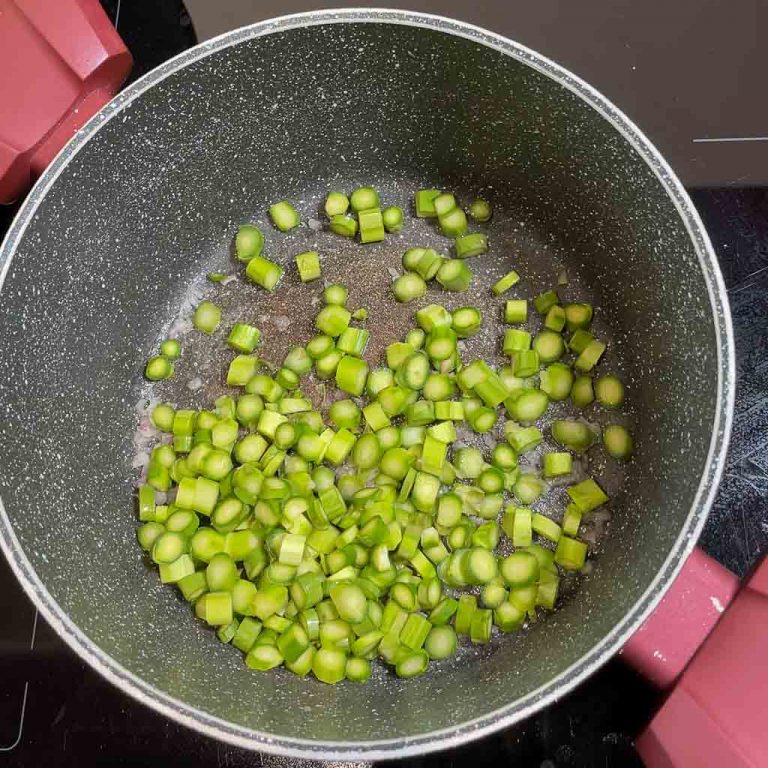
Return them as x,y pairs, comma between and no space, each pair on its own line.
54,710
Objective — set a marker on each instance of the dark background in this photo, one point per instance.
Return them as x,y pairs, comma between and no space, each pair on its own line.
55,711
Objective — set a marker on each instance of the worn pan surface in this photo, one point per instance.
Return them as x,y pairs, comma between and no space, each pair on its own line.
110,251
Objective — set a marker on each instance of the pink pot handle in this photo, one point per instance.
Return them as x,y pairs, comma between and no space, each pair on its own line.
61,61
661,649
715,715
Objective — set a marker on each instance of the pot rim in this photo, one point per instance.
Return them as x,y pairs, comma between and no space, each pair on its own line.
521,708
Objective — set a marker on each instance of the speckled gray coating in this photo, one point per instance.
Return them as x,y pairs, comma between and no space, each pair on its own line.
145,201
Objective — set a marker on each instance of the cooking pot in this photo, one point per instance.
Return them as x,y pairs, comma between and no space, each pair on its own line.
110,250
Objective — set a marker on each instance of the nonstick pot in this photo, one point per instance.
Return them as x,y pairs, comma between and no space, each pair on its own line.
111,248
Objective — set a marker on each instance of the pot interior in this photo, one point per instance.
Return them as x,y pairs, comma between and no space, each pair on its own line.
118,250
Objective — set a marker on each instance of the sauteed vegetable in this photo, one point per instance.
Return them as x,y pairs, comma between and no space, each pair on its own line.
322,539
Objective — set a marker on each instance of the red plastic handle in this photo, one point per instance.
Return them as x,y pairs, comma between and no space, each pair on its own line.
716,716
661,649
61,62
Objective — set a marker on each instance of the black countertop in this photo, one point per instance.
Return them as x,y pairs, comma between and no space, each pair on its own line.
737,220
55,710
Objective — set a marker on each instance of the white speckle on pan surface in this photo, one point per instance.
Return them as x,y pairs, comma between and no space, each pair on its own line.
148,206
